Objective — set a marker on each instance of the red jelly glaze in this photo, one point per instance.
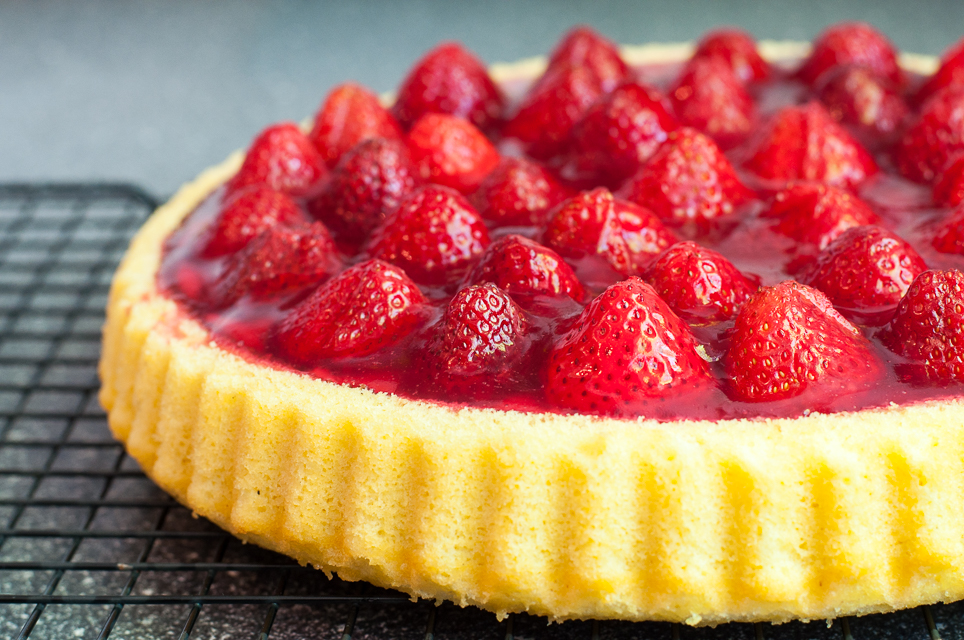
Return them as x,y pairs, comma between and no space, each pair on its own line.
752,244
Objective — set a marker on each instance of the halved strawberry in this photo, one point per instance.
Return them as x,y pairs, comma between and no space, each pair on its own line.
709,97
688,182
866,270
934,137
281,158
738,50
949,233
518,265
281,259
949,187
618,133
518,192
805,143
368,183
851,43
789,339
625,235
434,234
552,106
584,47
950,73
362,310
450,80
626,347
699,284
815,213
244,214
479,342
350,114
928,328
862,99
451,152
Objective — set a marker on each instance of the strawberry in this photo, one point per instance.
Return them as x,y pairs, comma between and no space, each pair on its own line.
949,234
738,50
518,265
852,43
788,339
626,346
245,214
858,97
816,213
805,143
449,80
281,158
950,73
709,97
434,234
934,137
949,187
368,183
928,328
479,342
688,182
619,132
584,47
866,269
451,152
362,310
518,192
700,286
625,235
349,115
279,260
551,107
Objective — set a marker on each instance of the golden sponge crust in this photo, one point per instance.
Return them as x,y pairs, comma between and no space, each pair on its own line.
564,516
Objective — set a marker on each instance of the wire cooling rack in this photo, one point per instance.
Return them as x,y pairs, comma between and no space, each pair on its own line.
90,548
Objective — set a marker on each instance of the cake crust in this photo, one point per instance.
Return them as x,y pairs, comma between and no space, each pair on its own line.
565,516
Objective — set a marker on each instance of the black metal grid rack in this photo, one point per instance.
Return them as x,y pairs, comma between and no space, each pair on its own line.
90,548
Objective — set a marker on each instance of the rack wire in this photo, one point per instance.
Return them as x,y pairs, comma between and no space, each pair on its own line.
90,548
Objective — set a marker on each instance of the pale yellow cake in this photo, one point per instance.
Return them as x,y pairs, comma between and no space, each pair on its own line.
564,516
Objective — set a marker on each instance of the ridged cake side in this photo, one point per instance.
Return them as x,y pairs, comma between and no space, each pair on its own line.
565,516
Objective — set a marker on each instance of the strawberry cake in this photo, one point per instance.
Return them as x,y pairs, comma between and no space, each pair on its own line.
667,332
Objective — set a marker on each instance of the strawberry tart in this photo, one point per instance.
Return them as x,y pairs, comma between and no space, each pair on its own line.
665,332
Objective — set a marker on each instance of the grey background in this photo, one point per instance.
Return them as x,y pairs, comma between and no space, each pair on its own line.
153,92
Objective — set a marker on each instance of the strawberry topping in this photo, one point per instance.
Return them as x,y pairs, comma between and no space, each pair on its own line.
688,182
623,234
866,269
364,309
245,214
349,115
434,234
699,284
368,183
281,158
949,187
869,103
518,265
450,80
619,132
738,50
788,339
815,213
518,192
949,233
805,143
934,137
584,47
950,73
708,96
451,152
852,43
480,341
626,347
928,327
